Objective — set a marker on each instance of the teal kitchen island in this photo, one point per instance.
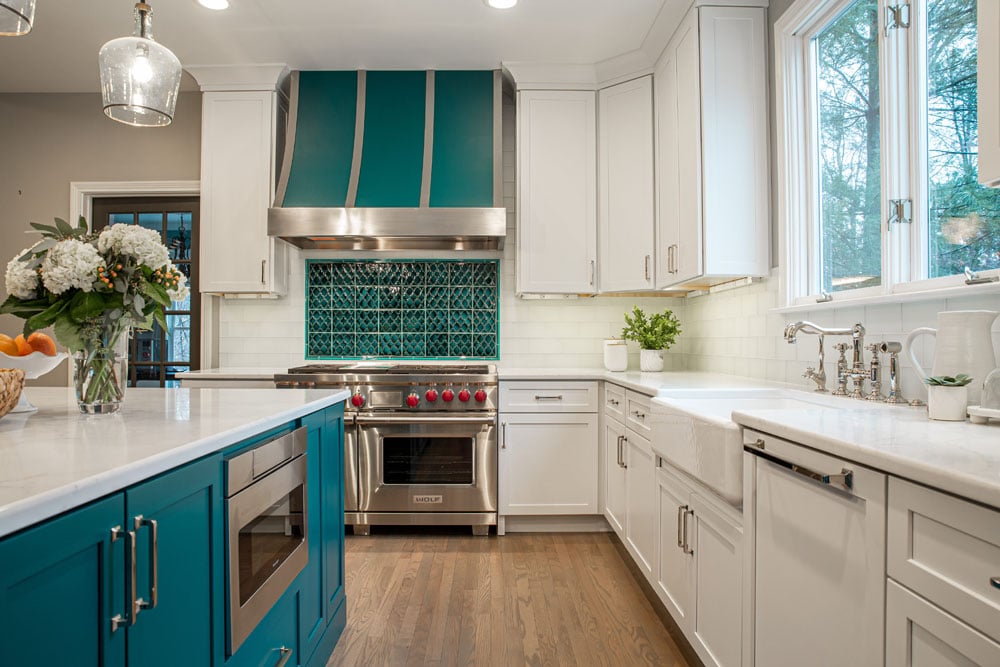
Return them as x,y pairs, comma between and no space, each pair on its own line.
198,527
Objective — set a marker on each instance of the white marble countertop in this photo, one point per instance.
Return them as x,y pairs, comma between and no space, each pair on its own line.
56,459
959,457
235,374
649,384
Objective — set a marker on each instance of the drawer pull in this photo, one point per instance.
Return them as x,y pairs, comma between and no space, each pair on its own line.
543,397
680,525
613,402
638,415
284,654
995,582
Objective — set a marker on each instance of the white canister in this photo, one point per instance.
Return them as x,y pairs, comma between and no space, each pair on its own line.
615,355
947,403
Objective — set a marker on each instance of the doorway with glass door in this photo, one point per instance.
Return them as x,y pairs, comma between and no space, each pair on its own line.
156,356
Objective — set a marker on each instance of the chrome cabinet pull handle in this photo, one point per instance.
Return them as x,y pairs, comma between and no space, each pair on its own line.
624,442
638,415
285,654
542,397
680,522
647,267
621,461
687,546
263,271
995,582
154,561
592,271
503,435
127,619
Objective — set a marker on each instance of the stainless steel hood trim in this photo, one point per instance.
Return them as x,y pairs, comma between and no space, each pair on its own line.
497,138
359,139
293,122
325,228
425,178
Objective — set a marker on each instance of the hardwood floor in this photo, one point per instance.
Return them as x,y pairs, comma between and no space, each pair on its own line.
523,599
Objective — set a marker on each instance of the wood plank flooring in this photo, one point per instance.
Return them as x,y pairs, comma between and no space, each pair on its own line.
523,599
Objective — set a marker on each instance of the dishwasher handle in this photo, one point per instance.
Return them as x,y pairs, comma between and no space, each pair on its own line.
841,481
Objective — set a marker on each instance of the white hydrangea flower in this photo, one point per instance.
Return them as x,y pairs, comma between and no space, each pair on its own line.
70,263
134,241
21,278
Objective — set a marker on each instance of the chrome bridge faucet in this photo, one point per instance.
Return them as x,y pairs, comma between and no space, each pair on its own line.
855,371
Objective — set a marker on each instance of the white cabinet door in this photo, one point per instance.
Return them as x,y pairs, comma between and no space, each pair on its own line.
674,574
678,135
548,464
717,542
557,192
640,501
625,173
614,474
989,93
919,634
237,187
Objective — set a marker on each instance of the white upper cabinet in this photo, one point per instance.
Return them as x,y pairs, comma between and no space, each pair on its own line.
242,126
989,93
626,223
556,192
711,149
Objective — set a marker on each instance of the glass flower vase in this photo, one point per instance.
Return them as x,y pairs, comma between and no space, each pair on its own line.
100,374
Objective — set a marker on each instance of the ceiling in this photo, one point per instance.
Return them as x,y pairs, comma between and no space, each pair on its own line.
60,53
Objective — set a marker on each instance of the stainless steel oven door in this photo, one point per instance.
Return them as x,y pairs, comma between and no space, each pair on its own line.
445,463
267,529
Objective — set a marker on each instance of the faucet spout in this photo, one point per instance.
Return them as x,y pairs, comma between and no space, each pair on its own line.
794,328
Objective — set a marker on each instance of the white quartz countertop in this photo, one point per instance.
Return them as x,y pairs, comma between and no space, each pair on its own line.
232,374
650,384
958,457
57,458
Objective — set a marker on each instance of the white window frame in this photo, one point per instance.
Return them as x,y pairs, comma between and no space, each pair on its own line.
903,162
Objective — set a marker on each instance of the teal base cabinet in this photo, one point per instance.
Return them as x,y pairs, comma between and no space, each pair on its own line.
66,587
65,593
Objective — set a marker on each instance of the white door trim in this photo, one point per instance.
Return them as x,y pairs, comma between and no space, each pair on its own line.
82,193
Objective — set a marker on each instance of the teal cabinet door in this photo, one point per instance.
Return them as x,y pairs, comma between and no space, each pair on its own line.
179,559
332,498
60,586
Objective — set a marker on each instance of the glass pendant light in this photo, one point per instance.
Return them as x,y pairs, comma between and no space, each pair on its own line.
16,17
139,78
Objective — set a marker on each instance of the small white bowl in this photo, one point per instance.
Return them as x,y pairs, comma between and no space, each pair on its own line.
34,365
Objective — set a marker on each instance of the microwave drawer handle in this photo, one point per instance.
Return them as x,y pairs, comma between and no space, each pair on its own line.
365,420
843,480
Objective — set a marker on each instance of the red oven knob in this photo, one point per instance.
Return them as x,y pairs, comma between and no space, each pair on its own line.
480,396
413,400
464,395
357,400
431,395
447,395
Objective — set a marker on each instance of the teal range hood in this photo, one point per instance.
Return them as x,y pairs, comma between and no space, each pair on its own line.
392,160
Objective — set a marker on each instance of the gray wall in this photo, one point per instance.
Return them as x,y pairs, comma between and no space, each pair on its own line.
49,140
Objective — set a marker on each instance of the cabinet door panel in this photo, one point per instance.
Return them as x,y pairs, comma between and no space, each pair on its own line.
674,569
60,585
186,626
625,166
640,501
557,192
718,554
919,634
548,464
989,93
614,475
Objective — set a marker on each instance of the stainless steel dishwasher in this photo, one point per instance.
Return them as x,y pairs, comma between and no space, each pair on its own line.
817,556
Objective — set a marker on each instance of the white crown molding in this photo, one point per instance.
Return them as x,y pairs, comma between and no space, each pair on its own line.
239,77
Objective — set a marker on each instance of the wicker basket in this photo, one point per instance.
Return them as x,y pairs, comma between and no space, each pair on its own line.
11,385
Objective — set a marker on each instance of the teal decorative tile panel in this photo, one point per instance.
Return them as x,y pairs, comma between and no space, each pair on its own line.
402,309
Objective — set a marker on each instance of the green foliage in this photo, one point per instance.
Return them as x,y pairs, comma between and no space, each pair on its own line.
959,380
656,332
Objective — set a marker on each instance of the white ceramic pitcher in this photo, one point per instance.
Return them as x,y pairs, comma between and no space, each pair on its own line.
964,345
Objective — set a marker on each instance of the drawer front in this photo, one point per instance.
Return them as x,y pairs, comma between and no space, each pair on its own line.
918,633
947,550
637,413
548,397
614,401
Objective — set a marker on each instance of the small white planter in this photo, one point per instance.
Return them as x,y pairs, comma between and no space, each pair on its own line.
947,403
651,361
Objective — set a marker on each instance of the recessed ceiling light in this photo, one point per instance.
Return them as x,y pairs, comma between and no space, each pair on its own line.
215,4
501,4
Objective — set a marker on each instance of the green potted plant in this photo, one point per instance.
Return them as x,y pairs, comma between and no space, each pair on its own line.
948,397
654,333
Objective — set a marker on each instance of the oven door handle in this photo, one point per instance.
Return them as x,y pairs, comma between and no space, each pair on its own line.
365,420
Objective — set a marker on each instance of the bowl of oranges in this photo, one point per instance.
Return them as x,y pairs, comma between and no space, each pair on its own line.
35,355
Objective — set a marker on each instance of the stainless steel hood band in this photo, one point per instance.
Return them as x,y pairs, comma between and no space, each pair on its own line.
293,122
389,228
425,177
446,418
359,139
497,138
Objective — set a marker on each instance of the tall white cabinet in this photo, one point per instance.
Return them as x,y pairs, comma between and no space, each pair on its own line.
989,93
711,149
556,192
625,186
243,118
